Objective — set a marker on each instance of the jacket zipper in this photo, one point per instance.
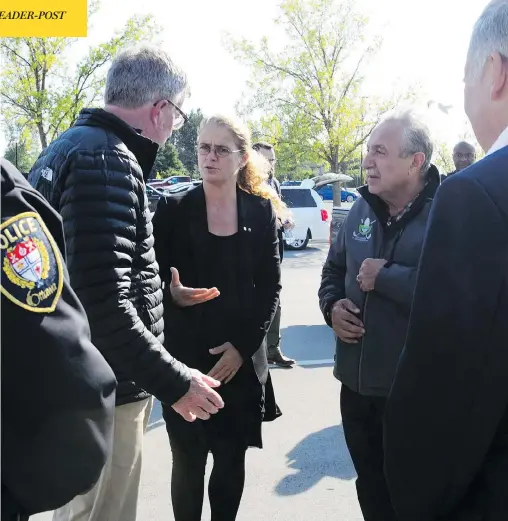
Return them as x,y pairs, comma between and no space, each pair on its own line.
364,317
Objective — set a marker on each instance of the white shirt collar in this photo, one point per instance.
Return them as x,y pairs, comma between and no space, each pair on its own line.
502,141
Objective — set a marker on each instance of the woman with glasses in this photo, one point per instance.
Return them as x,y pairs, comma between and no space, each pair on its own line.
217,249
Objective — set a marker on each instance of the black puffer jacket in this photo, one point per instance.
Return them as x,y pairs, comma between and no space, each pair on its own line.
93,174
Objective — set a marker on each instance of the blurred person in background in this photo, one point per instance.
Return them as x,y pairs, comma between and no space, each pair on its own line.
275,354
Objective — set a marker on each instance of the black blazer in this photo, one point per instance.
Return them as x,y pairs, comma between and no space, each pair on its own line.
182,240
446,420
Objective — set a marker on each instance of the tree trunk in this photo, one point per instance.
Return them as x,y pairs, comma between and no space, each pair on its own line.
42,136
336,186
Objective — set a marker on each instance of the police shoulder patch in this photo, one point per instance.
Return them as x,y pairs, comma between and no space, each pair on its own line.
32,271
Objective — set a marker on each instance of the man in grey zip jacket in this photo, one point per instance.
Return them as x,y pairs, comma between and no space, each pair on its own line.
367,288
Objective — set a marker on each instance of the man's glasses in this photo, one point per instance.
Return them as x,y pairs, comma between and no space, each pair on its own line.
181,117
220,151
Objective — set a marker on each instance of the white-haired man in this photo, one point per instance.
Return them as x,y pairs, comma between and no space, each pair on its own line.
367,286
446,420
94,176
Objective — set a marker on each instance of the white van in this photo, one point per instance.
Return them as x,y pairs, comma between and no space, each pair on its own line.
309,213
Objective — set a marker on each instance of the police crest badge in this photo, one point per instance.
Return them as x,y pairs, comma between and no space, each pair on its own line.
32,271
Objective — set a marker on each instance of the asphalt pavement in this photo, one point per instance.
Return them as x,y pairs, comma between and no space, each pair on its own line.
304,471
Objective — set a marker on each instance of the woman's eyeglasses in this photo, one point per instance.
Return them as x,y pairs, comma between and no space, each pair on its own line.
220,151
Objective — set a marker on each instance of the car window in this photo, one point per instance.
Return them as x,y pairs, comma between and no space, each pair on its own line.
298,198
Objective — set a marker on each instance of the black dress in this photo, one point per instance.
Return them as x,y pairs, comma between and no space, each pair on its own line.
243,396
245,267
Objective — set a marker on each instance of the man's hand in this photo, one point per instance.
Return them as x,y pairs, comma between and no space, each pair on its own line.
368,273
226,368
288,224
184,297
345,324
201,400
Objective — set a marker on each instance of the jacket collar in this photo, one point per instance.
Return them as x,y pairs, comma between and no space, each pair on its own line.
195,202
144,149
501,142
380,208
194,210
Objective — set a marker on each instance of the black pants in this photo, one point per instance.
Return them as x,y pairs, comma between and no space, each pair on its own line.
362,419
190,445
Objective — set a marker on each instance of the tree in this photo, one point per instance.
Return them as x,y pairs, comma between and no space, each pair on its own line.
41,92
185,141
167,163
310,92
19,154
443,158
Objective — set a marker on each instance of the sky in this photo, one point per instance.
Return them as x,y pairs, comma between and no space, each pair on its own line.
423,42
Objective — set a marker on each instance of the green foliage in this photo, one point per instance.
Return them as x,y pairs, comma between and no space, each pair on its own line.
21,155
167,163
41,93
185,141
310,91
443,158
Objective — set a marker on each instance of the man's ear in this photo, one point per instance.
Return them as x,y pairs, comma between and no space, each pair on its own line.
418,160
499,67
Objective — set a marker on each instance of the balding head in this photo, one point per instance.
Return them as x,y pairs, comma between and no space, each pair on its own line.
464,155
486,74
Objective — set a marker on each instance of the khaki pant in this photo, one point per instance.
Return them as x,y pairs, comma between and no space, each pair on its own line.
115,496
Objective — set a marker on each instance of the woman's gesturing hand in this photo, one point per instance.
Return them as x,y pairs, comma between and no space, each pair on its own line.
183,296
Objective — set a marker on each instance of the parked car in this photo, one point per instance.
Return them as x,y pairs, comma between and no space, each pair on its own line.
291,183
339,215
170,181
153,195
347,195
309,214
180,188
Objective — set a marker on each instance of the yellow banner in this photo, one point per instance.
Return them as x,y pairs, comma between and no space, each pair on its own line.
43,18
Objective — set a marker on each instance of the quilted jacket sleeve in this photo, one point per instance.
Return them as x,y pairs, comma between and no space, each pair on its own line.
100,200
333,283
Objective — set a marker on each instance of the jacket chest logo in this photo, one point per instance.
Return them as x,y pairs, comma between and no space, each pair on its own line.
364,232
32,273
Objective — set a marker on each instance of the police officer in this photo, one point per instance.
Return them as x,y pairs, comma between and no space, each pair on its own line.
58,392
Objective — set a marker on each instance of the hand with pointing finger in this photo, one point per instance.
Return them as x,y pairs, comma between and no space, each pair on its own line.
183,296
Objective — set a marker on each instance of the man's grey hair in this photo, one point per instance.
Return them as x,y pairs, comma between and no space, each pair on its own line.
416,136
490,35
142,75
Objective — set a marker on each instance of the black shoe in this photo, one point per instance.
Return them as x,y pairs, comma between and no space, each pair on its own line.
276,357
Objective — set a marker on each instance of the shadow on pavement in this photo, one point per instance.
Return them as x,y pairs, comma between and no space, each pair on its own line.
315,342
321,454
291,254
319,366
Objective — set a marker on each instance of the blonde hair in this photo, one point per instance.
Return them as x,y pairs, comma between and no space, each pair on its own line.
253,177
